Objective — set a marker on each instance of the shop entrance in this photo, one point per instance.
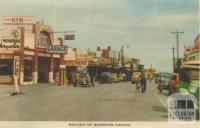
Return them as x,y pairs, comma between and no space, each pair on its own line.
6,71
43,69
28,70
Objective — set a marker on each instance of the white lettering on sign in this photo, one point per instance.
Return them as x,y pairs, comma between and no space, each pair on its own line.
16,66
17,20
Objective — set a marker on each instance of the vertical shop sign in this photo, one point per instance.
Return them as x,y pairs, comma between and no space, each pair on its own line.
16,66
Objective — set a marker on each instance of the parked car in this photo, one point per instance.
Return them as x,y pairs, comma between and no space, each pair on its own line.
157,78
123,77
165,78
106,77
117,77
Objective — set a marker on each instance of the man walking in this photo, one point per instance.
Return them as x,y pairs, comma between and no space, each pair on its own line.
92,74
143,83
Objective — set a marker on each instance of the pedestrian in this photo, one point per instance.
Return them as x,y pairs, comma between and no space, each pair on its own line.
143,83
137,83
92,74
160,79
57,78
76,77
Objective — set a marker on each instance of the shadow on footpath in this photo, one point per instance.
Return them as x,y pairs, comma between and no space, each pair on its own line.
161,109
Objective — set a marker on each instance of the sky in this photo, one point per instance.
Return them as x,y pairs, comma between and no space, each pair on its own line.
144,25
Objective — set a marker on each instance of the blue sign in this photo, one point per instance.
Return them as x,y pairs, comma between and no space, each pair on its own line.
57,48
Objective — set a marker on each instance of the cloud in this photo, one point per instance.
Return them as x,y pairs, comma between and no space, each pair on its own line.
173,21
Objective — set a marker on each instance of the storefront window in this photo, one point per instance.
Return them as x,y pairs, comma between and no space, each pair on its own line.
6,67
44,39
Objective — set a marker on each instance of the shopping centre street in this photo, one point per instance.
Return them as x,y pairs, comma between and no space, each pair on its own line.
104,102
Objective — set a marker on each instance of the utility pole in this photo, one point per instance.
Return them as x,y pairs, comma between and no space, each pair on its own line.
177,41
173,48
122,54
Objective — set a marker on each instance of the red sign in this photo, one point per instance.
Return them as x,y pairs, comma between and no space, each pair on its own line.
17,20
76,63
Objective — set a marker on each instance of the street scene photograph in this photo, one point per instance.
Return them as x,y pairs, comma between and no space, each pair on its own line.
99,60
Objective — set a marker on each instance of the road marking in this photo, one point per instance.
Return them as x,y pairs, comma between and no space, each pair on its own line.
159,98
163,103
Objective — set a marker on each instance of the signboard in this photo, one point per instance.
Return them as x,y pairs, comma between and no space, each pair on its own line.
70,37
57,49
17,20
71,54
29,40
76,63
62,66
16,66
84,55
9,39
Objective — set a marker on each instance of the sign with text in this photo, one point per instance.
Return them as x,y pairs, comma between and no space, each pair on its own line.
9,39
70,37
17,20
57,48
71,54
76,63
16,66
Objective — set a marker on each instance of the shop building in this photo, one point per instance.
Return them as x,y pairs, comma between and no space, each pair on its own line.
23,52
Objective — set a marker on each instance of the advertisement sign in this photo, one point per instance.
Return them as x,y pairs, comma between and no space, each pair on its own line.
71,54
57,49
70,37
9,39
76,63
84,55
16,66
29,40
17,20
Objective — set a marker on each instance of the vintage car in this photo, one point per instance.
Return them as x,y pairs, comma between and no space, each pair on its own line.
106,77
165,78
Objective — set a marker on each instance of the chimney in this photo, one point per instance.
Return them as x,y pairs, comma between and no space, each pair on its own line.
98,48
109,48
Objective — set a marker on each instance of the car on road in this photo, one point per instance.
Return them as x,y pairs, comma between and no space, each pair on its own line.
165,78
157,77
117,77
106,77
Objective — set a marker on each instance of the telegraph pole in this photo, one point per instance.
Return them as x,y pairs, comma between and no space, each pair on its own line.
173,48
177,41
122,54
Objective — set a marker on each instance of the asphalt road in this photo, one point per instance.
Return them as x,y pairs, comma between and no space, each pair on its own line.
104,102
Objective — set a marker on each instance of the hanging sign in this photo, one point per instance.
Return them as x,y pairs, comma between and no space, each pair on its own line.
57,49
16,66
